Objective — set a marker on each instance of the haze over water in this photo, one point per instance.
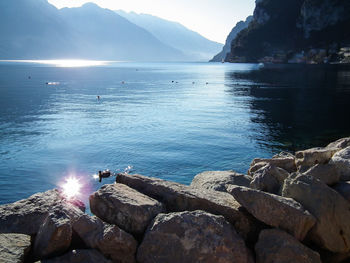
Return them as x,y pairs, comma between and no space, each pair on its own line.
164,120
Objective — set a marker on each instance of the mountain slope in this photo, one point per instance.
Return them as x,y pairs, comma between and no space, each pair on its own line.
305,31
35,29
227,48
175,35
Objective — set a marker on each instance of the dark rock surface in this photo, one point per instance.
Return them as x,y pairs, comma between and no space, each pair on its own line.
14,247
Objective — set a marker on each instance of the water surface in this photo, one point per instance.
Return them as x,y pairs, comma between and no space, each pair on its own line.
169,121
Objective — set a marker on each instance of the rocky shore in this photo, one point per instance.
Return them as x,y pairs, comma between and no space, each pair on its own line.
290,208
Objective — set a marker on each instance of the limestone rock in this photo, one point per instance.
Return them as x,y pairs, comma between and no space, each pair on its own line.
27,215
327,173
331,210
340,144
194,236
54,236
178,197
274,210
286,162
110,240
219,180
342,161
121,205
308,158
277,246
269,178
343,188
14,247
79,256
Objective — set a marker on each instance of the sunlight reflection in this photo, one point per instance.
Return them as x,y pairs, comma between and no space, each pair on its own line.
69,63
72,187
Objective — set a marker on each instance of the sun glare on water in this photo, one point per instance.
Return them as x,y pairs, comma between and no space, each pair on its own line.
72,187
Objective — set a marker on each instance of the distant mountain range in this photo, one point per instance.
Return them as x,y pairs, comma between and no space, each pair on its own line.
175,35
35,29
233,34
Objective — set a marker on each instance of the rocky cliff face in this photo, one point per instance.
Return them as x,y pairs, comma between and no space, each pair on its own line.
311,31
234,32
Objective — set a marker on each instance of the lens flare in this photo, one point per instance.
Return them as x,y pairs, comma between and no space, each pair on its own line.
72,187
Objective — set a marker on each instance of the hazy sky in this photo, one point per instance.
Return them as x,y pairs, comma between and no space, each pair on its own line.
213,19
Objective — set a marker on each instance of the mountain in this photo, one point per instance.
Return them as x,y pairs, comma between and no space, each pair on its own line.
176,35
295,31
36,29
227,48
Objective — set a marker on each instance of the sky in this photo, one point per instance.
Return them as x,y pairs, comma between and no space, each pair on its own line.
213,19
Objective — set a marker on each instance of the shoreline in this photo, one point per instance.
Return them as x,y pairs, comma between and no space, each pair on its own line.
289,205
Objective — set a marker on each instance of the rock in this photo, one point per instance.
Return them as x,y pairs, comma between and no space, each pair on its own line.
219,180
283,155
178,197
327,173
342,161
308,158
274,210
54,236
110,240
269,178
14,247
79,256
287,163
340,144
275,245
27,215
123,206
192,237
331,210
343,188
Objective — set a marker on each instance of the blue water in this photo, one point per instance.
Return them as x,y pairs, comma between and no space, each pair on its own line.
169,121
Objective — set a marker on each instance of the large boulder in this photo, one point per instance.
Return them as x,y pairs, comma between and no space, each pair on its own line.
286,162
327,173
123,206
340,144
14,248
219,180
194,236
331,210
26,216
308,158
274,210
342,161
343,188
178,197
79,256
110,240
275,245
54,236
269,178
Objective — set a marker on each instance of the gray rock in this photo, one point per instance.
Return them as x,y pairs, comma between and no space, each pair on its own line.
308,158
79,256
219,180
110,240
327,173
331,210
286,162
342,161
178,197
26,216
269,178
123,206
277,246
274,210
14,247
343,188
54,236
340,144
192,237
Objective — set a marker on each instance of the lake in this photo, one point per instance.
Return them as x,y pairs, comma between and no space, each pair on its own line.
166,120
